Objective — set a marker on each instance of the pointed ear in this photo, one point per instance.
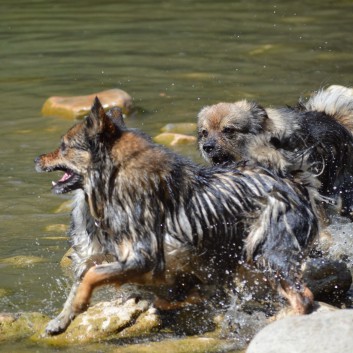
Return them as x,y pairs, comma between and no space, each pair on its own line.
98,122
94,120
116,115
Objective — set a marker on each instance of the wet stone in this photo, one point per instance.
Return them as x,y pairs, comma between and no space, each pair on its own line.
20,325
74,107
106,321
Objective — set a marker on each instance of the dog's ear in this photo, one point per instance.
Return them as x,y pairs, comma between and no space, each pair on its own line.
259,118
116,115
98,122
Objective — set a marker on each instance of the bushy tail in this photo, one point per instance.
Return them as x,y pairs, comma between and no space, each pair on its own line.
336,101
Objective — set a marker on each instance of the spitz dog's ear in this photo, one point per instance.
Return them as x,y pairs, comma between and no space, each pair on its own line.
100,123
117,117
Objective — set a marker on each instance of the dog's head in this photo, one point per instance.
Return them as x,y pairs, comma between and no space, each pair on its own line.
79,147
226,129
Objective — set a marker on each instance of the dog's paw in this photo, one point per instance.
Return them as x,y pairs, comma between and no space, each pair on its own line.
57,326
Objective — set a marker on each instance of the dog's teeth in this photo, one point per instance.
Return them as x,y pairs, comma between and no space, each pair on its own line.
53,183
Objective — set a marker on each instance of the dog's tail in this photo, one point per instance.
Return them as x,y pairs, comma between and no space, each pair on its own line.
335,101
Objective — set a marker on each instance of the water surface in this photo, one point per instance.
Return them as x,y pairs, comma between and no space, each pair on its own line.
173,57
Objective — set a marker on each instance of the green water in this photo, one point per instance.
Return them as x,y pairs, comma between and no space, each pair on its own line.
173,57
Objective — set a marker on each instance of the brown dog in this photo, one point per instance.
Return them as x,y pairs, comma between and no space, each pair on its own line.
161,218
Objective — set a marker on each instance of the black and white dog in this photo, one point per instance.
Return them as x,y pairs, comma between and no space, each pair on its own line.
321,128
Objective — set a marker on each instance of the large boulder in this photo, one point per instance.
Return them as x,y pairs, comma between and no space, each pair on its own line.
321,332
74,107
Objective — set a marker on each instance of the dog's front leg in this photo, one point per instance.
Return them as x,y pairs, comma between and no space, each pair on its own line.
63,320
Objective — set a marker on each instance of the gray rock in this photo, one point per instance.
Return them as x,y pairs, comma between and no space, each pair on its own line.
321,332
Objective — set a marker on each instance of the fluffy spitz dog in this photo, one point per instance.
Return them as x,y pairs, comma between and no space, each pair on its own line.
321,128
161,218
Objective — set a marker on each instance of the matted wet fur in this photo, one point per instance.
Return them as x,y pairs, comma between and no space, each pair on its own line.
321,128
161,218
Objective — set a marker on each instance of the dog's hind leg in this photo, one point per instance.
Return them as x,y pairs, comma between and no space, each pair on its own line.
301,300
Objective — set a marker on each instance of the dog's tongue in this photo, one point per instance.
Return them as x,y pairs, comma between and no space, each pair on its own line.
66,176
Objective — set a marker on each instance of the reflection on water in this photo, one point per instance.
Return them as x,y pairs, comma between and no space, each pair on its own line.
173,57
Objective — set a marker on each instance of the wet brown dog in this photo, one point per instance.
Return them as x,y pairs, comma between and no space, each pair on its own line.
161,218
278,139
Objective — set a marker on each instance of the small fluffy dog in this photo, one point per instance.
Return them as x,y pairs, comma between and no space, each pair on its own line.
278,138
160,218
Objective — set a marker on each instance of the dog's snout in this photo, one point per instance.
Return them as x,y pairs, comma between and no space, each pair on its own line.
208,147
37,164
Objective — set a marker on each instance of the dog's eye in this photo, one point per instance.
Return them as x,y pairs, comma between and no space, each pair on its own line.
203,133
228,130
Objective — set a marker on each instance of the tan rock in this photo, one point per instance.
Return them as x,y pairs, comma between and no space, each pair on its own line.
171,139
77,106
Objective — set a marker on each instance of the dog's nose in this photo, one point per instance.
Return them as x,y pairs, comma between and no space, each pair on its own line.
208,147
36,160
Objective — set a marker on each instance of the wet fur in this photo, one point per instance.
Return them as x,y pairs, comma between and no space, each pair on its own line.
320,128
161,218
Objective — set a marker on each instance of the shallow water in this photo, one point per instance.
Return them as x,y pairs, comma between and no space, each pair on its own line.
173,57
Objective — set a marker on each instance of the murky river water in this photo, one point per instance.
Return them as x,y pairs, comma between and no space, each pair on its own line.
173,57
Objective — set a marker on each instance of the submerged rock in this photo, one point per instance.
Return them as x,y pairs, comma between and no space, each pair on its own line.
20,325
326,332
22,260
57,228
181,345
172,139
77,106
180,128
65,207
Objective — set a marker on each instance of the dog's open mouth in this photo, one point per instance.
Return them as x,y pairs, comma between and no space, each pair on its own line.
68,182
